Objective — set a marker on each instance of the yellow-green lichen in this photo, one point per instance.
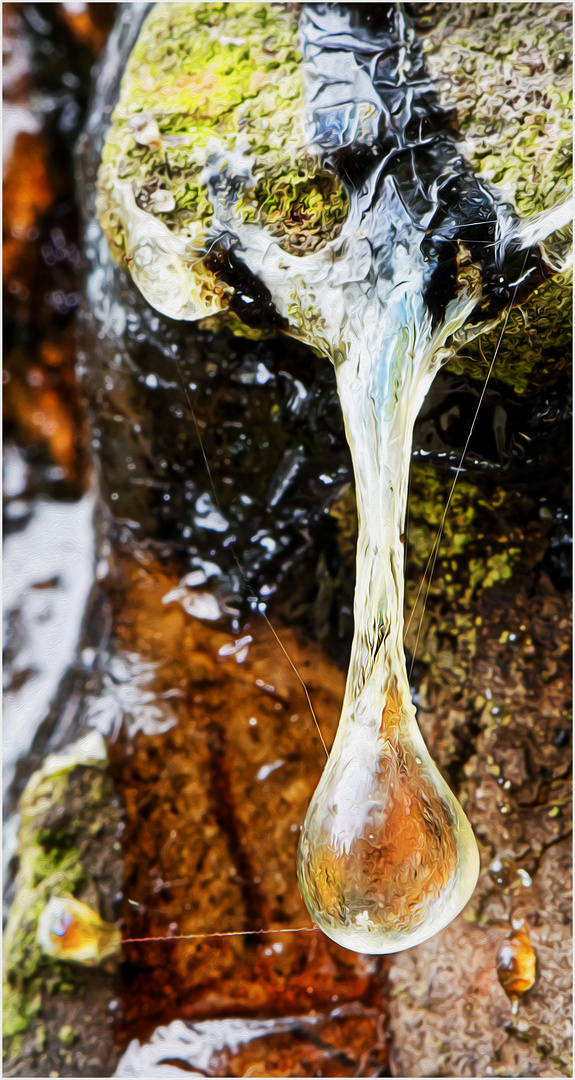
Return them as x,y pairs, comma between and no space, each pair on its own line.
224,76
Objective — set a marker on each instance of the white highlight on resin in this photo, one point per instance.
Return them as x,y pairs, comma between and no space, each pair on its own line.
127,697
267,770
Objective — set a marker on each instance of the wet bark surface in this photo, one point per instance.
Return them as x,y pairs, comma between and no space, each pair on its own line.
213,753
497,716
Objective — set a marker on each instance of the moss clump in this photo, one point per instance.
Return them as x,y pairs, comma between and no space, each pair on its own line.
205,80
506,69
533,346
61,806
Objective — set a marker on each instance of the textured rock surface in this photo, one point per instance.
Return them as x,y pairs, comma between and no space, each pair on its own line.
506,70
450,1016
495,709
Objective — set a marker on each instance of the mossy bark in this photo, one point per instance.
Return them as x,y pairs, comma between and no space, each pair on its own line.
53,1011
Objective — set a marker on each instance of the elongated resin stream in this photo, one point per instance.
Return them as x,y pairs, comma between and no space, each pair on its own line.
291,165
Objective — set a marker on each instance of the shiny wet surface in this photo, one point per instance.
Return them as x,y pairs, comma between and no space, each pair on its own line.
214,754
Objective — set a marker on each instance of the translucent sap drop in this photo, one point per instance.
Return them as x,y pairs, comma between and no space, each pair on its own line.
516,962
386,857
72,931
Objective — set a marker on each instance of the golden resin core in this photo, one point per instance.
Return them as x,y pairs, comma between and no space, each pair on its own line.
386,856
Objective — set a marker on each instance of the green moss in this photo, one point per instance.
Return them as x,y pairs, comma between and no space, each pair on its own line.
532,346
506,69
205,76
471,556
50,863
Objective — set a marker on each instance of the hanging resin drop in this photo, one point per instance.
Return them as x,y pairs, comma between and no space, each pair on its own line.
386,855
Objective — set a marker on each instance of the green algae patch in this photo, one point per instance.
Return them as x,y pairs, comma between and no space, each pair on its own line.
64,807
205,80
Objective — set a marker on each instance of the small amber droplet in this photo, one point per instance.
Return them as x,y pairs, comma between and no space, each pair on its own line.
516,964
71,930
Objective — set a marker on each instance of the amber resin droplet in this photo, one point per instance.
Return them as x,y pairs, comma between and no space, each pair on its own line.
72,931
516,963
386,857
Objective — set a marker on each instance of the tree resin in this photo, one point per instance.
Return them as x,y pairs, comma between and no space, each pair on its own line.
290,167
386,857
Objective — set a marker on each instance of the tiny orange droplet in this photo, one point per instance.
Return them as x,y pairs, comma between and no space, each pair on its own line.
516,964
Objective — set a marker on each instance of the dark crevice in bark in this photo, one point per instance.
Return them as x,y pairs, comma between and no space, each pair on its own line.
225,810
